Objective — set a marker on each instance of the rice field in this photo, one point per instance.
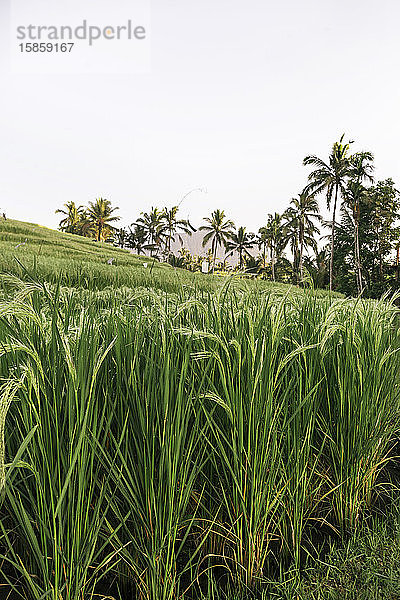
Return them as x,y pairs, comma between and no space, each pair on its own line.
195,442
32,251
75,261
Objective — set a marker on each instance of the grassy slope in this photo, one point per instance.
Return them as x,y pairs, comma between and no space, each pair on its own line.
76,261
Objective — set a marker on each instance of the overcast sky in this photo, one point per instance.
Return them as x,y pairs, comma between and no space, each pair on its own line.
237,94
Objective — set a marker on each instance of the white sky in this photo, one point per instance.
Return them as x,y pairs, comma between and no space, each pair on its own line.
238,93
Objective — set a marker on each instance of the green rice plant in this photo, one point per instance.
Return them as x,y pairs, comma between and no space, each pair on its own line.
302,444
262,436
246,472
359,414
157,441
8,391
174,446
55,511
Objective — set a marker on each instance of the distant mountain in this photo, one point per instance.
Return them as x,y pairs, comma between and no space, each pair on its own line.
194,243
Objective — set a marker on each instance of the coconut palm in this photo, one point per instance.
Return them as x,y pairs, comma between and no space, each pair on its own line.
153,224
254,264
275,231
291,234
354,195
121,238
175,226
318,267
100,214
331,178
86,227
361,169
219,230
262,242
300,224
137,239
73,215
240,242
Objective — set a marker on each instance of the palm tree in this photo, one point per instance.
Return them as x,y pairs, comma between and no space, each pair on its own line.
219,230
291,235
361,169
153,224
318,267
354,195
73,215
121,238
276,236
330,177
86,227
174,226
240,242
300,217
100,213
137,239
254,264
262,242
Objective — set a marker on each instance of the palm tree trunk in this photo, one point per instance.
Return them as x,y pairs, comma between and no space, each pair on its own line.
301,261
273,262
357,257
301,250
214,255
333,239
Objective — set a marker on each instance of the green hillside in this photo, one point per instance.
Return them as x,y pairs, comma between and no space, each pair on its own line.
77,261
74,261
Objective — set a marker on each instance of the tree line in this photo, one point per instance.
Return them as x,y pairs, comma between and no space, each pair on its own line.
360,253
